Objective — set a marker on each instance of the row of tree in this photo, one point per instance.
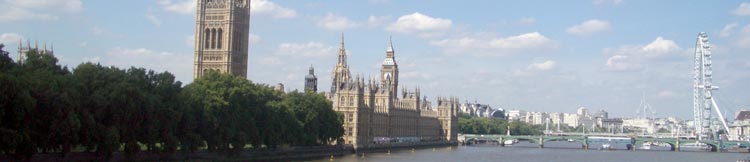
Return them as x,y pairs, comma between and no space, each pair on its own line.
45,107
476,125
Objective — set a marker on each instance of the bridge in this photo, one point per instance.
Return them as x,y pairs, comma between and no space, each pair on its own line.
585,140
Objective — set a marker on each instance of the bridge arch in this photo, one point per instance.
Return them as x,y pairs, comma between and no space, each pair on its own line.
582,141
520,138
672,144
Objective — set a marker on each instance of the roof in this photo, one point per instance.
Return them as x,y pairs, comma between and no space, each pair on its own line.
743,115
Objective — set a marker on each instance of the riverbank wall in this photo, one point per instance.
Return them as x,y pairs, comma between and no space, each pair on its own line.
278,154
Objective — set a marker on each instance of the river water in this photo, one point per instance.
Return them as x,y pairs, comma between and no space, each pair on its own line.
528,152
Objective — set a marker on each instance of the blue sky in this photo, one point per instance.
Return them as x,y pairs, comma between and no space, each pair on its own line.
532,55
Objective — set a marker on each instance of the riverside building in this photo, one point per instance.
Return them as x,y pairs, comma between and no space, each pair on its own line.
376,114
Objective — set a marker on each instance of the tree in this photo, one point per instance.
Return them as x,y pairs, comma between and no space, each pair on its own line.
224,107
315,115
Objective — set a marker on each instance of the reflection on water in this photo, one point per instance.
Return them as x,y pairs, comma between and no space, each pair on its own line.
525,151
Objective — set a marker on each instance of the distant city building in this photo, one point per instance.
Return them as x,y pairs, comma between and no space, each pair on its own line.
641,125
583,111
611,125
557,118
600,114
23,50
481,110
311,81
571,120
279,87
221,37
515,114
582,118
740,128
537,118
374,113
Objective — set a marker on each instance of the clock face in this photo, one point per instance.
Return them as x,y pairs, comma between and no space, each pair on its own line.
387,76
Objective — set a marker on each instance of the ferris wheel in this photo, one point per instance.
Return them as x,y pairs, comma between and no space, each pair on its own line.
703,100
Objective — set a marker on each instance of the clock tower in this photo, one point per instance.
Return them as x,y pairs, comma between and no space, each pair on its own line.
389,70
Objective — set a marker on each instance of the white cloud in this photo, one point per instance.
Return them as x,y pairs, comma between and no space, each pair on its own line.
253,39
727,30
149,59
19,10
743,40
64,5
379,1
375,21
603,2
542,66
190,40
180,6
309,49
10,38
527,21
335,22
660,47
630,58
589,27
269,61
743,9
496,46
153,19
421,24
528,40
622,63
97,30
665,94
269,8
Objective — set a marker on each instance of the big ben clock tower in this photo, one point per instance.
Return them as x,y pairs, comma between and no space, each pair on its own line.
389,70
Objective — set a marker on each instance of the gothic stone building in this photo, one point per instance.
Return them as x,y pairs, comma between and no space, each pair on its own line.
221,36
22,51
374,112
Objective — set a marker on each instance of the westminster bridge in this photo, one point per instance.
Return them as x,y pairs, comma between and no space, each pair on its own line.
586,139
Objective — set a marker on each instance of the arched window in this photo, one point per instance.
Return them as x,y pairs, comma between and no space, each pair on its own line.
207,38
221,33
351,101
213,38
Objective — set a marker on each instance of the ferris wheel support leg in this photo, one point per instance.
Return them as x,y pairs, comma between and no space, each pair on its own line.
721,116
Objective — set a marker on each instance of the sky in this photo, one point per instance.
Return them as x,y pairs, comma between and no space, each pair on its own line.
553,56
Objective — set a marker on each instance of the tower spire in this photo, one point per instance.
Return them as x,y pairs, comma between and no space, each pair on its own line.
390,44
312,71
342,52
342,40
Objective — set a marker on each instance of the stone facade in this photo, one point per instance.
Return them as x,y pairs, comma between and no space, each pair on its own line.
22,50
311,81
222,29
375,113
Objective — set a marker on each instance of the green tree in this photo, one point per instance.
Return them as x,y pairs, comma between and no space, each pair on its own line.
315,115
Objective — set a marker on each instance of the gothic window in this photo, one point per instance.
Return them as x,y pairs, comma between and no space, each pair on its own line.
213,38
221,33
341,101
207,37
351,101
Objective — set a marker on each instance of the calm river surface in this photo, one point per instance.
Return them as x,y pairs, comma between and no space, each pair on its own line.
529,153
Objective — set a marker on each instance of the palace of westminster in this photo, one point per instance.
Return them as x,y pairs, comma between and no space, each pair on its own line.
373,111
